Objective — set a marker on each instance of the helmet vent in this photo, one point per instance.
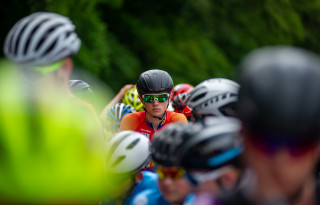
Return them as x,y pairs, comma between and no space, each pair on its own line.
133,144
19,37
50,47
198,97
224,97
69,33
118,160
44,35
28,41
115,145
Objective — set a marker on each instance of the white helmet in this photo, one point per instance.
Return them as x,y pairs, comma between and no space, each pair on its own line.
40,39
212,95
127,151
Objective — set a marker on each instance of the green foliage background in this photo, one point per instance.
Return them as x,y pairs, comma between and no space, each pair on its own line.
191,39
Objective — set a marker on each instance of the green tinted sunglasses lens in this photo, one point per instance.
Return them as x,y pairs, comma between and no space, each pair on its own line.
151,98
161,98
148,98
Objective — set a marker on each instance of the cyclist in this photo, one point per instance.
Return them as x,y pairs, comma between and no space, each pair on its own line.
279,109
213,97
172,182
127,152
210,153
179,98
47,157
41,46
154,87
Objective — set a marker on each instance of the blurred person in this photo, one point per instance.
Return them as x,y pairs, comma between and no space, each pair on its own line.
211,155
41,45
280,113
172,182
114,116
213,97
179,99
127,152
154,88
47,157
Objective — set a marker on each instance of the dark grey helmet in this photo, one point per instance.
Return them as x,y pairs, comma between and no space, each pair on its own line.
214,143
280,91
166,143
152,81
80,86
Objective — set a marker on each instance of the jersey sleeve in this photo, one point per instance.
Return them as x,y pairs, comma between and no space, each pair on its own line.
127,122
177,117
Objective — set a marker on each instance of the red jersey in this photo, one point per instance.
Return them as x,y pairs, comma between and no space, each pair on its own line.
138,122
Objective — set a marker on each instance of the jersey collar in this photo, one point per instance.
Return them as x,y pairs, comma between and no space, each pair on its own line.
160,124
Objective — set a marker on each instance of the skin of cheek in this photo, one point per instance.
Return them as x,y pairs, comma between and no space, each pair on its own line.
281,172
174,190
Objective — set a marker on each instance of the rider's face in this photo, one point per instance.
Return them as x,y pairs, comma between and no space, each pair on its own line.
282,172
174,190
155,108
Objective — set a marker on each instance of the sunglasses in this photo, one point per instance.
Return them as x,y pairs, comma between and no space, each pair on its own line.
196,178
37,73
270,145
172,172
150,98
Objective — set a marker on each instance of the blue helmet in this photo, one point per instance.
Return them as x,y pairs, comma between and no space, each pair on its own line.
116,113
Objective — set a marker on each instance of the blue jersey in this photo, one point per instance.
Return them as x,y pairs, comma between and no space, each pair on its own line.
146,192
189,200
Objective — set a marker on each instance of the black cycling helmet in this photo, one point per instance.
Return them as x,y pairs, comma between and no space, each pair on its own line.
153,81
166,143
214,144
279,92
